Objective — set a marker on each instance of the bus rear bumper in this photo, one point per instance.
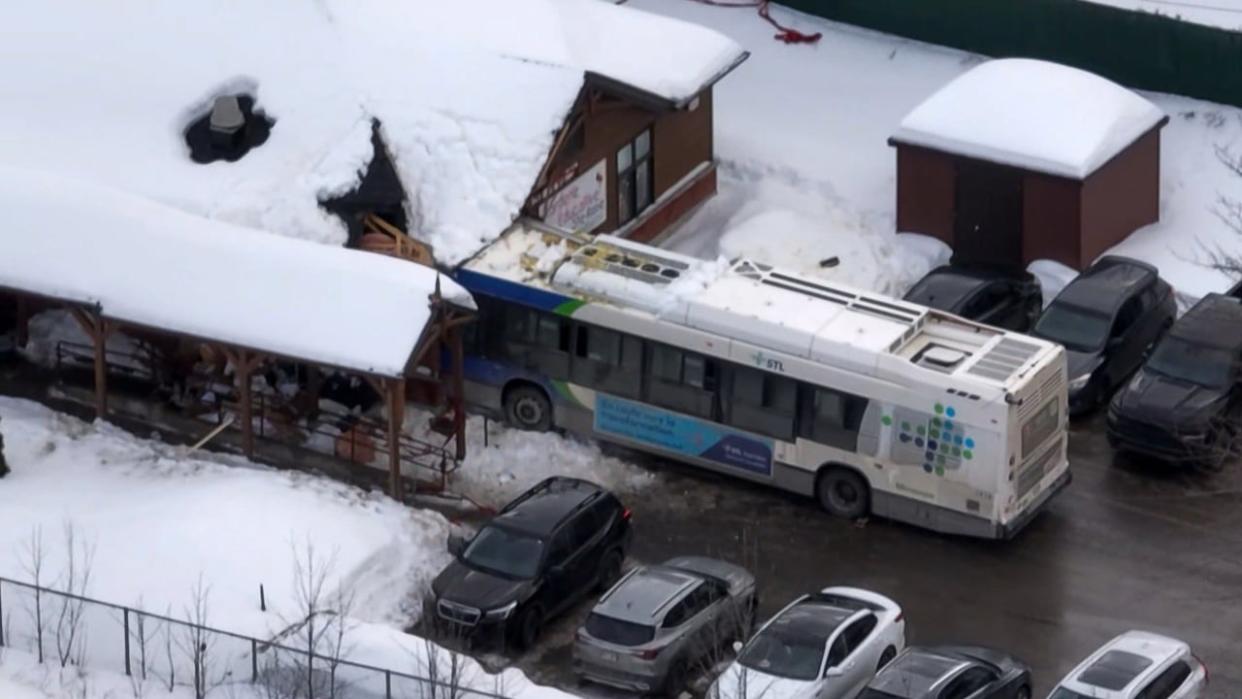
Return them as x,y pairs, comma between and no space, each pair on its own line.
1011,528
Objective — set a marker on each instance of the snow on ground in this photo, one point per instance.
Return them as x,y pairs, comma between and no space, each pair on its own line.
141,502
158,517
801,133
515,460
1226,14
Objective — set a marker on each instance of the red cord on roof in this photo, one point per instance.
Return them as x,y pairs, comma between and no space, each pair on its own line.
785,34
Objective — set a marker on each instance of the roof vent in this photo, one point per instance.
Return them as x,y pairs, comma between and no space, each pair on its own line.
227,123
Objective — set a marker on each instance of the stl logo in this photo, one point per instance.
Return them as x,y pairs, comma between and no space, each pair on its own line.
758,357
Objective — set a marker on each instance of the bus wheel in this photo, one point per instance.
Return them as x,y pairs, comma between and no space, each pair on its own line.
843,493
528,408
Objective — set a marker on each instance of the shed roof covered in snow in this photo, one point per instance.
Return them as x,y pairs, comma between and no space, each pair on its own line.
1033,115
142,262
469,93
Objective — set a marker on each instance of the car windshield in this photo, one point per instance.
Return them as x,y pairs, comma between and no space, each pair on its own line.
1077,328
504,551
1176,358
1063,693
785,653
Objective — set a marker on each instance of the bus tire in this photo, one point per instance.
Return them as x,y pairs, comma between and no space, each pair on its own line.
843,493
527,408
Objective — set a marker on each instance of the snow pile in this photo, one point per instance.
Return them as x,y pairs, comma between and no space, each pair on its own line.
159,516
1053,277
1031,114
49,329
469,94
515,460
160,267
817,120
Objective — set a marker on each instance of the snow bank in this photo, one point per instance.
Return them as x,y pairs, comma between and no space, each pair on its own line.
516,460
159,516
1031,114
1053,277
160,267
470,94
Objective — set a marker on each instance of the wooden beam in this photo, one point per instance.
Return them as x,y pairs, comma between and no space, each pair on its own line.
396,418
459,398
98,329
244,364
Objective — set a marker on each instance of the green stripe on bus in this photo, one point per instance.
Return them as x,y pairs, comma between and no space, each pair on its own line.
562,387
568,308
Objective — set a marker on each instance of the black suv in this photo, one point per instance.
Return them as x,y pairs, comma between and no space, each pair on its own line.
1005,299
545,550
1106,319
1183,405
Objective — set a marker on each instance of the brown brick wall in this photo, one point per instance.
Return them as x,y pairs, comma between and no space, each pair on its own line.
925,192
1120,197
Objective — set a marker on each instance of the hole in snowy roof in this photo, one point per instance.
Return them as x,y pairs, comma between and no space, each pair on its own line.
230,128
670,273
379,192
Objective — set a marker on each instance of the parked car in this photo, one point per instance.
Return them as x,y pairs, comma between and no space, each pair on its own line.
661,622
826,645
544,551
1106,319
1184,404
1009,299
1136,664
951,672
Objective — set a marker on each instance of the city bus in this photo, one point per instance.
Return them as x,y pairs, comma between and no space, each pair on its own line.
870,405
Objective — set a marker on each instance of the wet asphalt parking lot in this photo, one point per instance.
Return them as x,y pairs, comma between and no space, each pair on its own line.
1130,544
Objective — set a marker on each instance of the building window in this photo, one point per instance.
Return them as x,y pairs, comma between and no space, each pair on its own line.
634,177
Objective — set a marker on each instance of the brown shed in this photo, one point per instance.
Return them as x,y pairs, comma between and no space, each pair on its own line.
1018,160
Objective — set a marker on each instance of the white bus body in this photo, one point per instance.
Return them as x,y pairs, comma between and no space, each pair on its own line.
964,425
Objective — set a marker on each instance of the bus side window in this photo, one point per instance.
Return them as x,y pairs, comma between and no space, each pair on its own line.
682,381
537,341
607,361
762,402
831,417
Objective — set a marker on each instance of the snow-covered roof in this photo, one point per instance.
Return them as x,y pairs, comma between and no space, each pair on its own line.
153,265
1031,114
469,94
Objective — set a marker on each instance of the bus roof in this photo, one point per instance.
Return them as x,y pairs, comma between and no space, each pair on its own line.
765,307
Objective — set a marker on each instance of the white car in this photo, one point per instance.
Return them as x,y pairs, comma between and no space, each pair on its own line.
1136,664
826,645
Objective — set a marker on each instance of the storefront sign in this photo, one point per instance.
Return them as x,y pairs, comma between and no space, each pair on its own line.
582,205
682,435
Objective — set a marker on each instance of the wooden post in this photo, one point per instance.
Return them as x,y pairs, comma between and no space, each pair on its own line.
98,329
244,364
459,399
395,390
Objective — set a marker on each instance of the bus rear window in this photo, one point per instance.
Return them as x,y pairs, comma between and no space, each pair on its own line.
1040,426
622,633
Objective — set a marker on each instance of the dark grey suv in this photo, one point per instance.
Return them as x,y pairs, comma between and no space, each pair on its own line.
1106,319
1010,299
1184,405
544,551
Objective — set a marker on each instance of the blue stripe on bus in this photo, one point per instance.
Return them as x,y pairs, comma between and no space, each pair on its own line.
477,283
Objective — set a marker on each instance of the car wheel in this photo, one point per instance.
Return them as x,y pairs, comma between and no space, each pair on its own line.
610,570
526,631
886,657
528,408
843,493
675,680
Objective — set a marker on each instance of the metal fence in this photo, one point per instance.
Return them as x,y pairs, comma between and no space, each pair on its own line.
65,629
1138,49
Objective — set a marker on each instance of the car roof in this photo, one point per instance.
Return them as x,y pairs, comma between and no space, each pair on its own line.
917,672
1124,662
732,575
1215,321
1105,285
945,287
812,617
540,510
647,593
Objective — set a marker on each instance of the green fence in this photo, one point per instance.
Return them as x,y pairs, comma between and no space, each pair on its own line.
1137,49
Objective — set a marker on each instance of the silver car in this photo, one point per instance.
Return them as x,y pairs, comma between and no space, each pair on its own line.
660,623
